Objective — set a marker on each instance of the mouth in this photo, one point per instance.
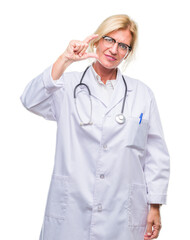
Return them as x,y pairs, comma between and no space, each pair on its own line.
111,58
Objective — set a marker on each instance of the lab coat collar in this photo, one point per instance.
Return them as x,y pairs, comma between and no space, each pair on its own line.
119,91
98,79
119,88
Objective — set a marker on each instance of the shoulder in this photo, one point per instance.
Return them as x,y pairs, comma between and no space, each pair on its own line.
71,79
73,76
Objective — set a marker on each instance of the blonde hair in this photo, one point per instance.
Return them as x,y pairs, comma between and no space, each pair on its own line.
114,23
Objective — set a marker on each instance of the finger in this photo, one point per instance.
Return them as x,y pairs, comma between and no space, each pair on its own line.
74,44
156,230
82,48
78,47
147,237
149,228
148,233
90,55
90,38
82,52
155,234
157,226
85,56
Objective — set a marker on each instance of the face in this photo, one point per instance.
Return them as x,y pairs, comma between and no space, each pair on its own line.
111,57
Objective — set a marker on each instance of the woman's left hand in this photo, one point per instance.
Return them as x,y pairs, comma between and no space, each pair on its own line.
153,222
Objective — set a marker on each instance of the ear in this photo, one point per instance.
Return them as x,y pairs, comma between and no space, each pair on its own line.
126,56
95,44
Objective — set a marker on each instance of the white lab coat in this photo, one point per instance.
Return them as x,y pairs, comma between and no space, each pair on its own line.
106,174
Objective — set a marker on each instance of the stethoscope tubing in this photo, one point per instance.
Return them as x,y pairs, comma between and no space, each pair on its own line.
125,95
80,84
83,84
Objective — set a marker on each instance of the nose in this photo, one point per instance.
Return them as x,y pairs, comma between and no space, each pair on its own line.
114,48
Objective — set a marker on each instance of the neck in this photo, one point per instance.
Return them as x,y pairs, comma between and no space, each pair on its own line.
104,73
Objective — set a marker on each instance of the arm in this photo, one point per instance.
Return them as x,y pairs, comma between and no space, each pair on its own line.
38,96
156,170
153,222
157,160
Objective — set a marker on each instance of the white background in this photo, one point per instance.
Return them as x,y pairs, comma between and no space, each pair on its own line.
33,34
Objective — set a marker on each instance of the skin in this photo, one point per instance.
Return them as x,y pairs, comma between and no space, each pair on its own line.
153,222
110,58
76,51
107,61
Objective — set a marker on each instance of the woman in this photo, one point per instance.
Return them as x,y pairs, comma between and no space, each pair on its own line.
111,167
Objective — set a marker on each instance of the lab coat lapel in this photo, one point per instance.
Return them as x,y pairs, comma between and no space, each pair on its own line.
119,91
117,95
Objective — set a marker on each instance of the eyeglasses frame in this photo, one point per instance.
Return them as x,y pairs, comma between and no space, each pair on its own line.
119,43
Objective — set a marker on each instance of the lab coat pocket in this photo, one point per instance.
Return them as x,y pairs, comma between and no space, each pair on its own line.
57,197
137,206
136,134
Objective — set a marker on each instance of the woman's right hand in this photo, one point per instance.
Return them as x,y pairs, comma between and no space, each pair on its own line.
75,51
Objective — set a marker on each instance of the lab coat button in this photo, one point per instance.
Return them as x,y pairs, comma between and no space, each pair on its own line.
99,207
102,176
105,147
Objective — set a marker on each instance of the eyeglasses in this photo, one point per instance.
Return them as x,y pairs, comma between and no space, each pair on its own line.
109,42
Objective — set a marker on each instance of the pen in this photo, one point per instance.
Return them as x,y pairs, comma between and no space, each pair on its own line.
140,118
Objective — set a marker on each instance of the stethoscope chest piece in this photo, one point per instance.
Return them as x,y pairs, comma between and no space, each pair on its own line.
120,118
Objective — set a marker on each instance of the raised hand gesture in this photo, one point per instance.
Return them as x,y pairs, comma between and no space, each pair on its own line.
76,50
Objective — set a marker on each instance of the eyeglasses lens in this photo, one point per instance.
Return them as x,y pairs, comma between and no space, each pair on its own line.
109,42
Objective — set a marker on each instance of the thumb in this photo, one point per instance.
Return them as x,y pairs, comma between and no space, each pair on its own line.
90,38
149,229
90,55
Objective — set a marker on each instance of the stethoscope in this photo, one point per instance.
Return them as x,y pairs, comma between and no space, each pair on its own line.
120,118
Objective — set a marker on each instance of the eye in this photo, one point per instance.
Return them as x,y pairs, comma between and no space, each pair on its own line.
123,46
108,39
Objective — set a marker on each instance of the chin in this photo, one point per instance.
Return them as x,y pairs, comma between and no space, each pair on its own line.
108,65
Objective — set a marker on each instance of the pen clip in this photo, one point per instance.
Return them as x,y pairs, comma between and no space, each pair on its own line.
140,118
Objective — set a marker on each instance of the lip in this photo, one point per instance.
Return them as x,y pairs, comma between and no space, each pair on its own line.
111,58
